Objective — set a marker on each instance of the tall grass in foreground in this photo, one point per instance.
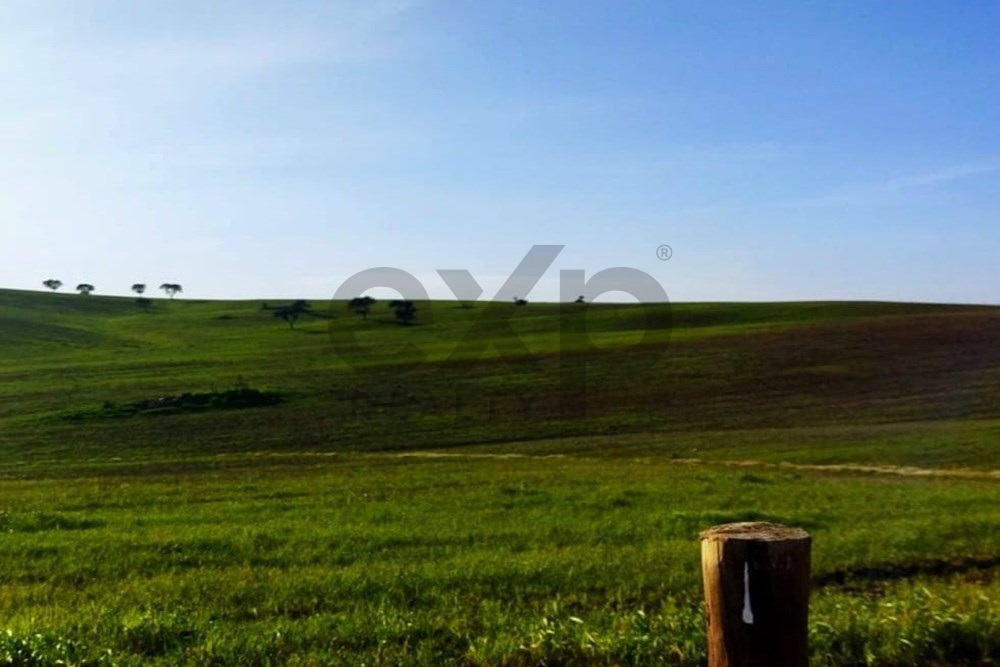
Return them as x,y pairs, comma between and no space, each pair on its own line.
913,623
378,560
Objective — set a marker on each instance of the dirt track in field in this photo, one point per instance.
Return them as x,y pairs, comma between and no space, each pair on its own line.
905,471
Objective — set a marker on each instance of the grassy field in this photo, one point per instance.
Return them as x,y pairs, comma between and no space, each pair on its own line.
537,507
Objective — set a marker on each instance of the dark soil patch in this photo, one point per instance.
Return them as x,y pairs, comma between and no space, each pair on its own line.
865,577
232,399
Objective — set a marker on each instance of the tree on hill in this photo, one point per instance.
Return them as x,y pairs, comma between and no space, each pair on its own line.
580,299
518,301
361,305
139,288
85,288
404,311
52,284
171,289
291,314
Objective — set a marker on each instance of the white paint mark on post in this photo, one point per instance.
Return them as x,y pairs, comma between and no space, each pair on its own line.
747,611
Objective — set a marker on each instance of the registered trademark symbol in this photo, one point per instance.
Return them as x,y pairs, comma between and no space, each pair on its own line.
664,252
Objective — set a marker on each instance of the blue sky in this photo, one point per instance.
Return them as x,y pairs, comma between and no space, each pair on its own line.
784,150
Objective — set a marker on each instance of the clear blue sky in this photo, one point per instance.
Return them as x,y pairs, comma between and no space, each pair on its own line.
785,150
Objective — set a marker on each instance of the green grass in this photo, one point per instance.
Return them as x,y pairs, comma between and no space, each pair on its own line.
378,558
452,513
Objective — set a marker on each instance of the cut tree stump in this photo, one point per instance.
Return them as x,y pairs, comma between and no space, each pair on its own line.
756,594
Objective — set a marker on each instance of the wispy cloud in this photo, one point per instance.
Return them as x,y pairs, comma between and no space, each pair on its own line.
863,194
945,175
64,38
78,85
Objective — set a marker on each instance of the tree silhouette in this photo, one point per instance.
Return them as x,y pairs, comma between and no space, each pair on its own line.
580,299
139,288
361,305
171,289
518,301
291,314
52,284
85,288
404,311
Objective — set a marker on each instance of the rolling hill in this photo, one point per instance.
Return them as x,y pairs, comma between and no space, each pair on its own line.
890,383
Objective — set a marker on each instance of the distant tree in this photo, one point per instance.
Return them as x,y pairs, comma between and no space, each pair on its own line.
580,299
85,288
139,288
291,314
52,284
518,301
404,311
361,305
171,289
288,314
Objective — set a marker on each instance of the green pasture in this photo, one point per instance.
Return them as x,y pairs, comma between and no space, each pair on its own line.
537,504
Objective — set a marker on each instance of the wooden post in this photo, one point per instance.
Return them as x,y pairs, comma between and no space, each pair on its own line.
756,594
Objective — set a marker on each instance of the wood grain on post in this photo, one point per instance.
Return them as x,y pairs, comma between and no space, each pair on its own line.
756,594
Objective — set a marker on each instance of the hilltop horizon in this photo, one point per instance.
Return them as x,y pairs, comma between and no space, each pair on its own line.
484,300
